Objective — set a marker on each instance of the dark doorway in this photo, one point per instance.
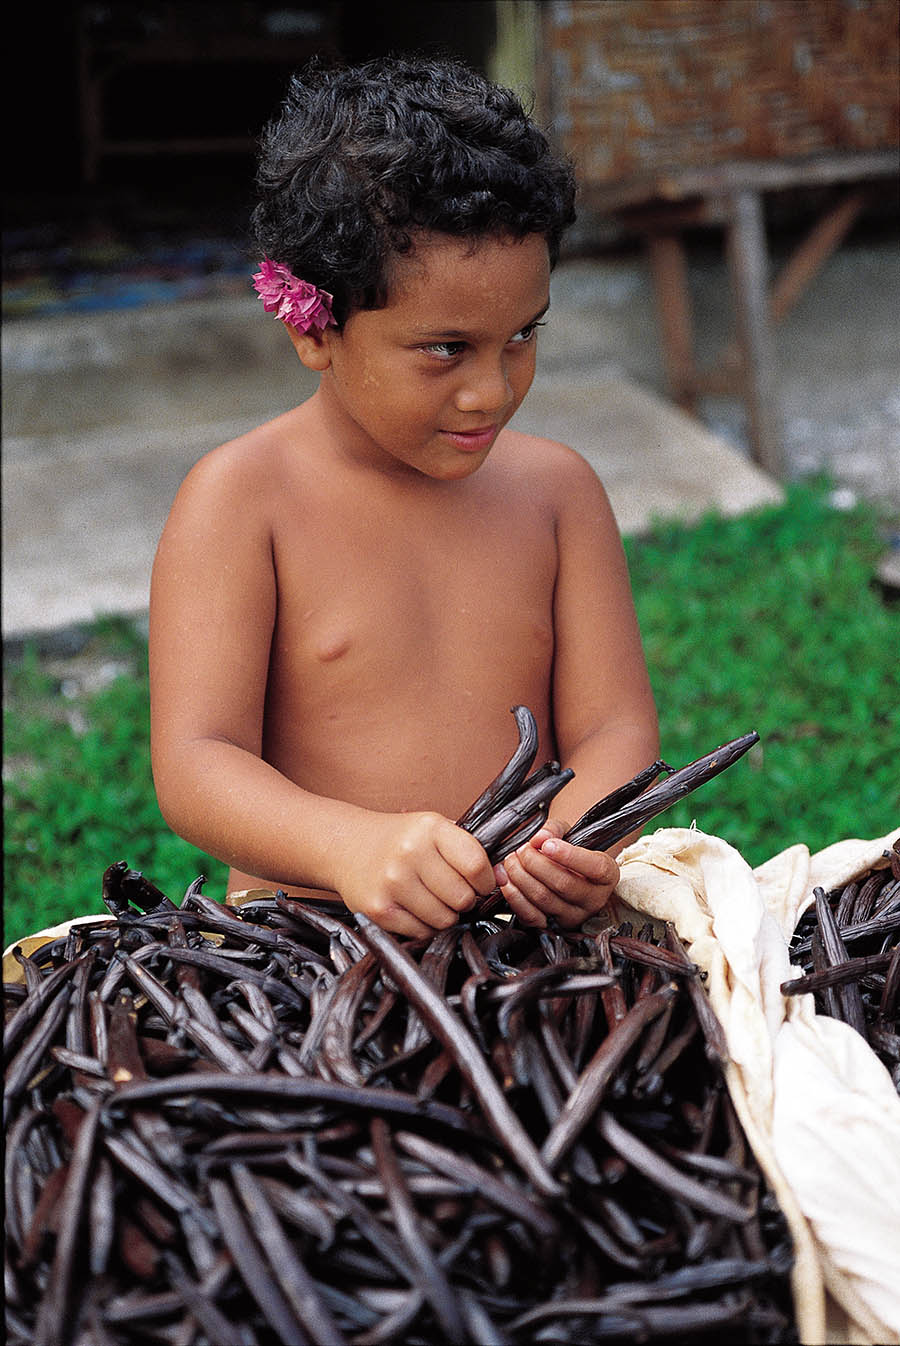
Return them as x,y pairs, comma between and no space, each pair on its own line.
131,145
466,30
155,96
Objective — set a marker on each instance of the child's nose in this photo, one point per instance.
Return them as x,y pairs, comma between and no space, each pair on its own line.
486,389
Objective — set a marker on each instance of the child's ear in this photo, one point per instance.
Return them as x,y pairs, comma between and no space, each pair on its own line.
313,347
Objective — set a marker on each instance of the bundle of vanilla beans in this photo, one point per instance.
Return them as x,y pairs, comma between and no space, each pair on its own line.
279,1123
848,944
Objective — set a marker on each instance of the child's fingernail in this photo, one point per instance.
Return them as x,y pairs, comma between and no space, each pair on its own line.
500,875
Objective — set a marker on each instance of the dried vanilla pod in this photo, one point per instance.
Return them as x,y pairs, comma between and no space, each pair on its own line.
282,1123
505,785
857,927
515,805
597,831
645,1209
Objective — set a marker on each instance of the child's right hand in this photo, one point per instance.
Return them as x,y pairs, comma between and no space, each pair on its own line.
412,873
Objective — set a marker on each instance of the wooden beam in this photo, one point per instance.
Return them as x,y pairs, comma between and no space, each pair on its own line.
808,259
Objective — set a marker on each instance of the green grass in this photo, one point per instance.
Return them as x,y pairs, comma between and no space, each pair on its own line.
765,622
771,622
78,791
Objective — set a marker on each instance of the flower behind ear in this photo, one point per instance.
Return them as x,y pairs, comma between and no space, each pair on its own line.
294,301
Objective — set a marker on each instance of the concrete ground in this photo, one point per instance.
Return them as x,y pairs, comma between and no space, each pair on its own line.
104,413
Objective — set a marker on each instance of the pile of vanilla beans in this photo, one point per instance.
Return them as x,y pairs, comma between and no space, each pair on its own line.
275,1123
848,944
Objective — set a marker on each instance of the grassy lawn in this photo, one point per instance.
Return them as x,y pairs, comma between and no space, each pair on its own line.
771,622
765,622
78,793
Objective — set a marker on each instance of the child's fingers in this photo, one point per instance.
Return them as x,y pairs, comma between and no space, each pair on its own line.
417,911
536,911
569,894
398,920
595,866
401,922
447,884
540,879
467,857
521,907
540,897
533,895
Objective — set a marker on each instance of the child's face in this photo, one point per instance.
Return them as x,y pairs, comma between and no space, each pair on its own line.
429,380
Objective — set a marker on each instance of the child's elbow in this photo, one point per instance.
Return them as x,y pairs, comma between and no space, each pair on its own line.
173,800
171,809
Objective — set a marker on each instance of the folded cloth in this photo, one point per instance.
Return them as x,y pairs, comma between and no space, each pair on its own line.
819,1109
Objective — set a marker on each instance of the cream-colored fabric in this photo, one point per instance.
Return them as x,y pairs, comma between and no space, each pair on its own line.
818,1107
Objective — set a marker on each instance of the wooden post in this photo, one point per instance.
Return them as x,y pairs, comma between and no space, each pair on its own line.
748,263
668,264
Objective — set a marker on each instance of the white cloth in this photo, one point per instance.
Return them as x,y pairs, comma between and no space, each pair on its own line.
819,1109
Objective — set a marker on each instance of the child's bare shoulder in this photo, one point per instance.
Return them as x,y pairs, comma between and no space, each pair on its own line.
248,459
549,466
242,476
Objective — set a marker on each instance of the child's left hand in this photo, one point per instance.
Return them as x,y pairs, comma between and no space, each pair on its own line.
550,877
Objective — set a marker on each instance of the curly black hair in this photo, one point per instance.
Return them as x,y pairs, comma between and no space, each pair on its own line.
362,157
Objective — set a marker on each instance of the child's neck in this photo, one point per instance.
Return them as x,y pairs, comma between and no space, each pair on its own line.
354,449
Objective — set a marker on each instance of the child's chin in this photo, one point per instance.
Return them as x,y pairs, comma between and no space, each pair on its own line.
459,470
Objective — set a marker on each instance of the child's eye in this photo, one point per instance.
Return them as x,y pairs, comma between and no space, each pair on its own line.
527,334
445,350
449,350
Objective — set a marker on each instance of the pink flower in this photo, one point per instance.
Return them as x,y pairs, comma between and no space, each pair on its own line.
294,301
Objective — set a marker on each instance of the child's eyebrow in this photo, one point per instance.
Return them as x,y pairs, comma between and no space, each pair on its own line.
455,334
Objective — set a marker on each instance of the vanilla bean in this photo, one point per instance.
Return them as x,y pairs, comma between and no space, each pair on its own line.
432,1280
457,1040
298,1287
847,993
618,798
850,970
249,1259
608,829
510,779
509,827
51,1327
239,1185
584,1099
647,1161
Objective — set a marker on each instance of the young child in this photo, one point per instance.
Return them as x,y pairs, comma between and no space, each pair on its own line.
347,601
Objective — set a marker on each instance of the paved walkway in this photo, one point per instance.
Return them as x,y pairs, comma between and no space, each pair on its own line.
104,413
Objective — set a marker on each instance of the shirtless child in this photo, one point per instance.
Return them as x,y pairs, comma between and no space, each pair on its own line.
347,601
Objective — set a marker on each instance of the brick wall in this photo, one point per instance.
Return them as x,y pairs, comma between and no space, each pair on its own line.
631,86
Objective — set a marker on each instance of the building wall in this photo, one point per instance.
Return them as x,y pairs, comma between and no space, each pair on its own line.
632,86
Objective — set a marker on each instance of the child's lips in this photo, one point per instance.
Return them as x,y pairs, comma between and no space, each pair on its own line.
472,441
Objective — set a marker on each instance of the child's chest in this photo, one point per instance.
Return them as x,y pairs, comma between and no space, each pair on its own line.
410,596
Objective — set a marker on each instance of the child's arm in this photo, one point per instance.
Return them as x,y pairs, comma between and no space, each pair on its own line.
212,614
603,709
